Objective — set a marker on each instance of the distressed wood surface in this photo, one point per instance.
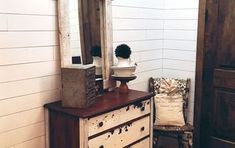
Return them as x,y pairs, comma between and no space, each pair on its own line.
78,86
122,136
64,34
63,129
215,80
199,72
107,41
111,119
127,116
142,144
83,133
89,18
108,102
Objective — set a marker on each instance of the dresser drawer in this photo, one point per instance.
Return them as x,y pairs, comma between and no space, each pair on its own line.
142,144
111,119
122,136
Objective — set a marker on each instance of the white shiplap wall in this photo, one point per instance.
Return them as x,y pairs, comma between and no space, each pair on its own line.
29,70
139,24
179,47
162,35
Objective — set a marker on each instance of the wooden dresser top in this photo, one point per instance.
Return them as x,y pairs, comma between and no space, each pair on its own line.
108,102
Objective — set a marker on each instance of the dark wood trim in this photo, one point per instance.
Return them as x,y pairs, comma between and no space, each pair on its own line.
108,102
66,125
115,127
199,72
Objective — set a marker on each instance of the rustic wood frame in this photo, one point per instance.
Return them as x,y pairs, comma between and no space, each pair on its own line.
88,34
172,131
199,73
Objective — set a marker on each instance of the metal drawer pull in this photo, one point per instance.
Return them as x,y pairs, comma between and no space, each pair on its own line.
101,124
142,129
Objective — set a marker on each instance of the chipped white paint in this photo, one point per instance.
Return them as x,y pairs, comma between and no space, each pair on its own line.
64,33
141,144
83,133
123,136
117,117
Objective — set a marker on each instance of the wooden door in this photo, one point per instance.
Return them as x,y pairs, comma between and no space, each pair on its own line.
215,101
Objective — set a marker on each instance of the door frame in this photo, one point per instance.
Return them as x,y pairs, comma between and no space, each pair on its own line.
199,73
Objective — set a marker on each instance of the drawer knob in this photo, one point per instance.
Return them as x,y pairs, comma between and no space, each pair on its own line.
142,129
101,124
101,146
142,109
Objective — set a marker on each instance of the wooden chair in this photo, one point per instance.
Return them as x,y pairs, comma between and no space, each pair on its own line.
173,131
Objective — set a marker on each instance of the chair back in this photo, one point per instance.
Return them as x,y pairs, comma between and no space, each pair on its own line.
183,87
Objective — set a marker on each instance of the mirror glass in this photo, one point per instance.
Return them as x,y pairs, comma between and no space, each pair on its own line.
83,25
74,30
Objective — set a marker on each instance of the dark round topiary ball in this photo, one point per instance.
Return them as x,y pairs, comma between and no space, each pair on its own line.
123,51
96,51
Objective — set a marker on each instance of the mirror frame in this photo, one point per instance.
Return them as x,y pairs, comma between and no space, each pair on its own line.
90,34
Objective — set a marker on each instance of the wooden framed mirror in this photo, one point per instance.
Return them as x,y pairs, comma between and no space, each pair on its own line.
84,24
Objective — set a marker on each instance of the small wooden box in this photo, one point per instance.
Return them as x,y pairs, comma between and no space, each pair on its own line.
78,86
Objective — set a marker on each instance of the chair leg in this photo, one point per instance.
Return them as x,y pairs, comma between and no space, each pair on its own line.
180,142
155,141
190,139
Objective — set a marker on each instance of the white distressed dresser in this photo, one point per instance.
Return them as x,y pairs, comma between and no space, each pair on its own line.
116,120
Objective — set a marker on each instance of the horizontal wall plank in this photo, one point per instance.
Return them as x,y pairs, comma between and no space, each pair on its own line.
181,14
140,3
39,7
24,87
3,22
21,119
27,55
38,142
146,55
27,102
21,22
131,12
142,86
173,4
144,76
28,71
142,45
178,64
119,24
132,35
27,39
22,134
180,24
179,55
173,73
180,44
149,65
180,34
